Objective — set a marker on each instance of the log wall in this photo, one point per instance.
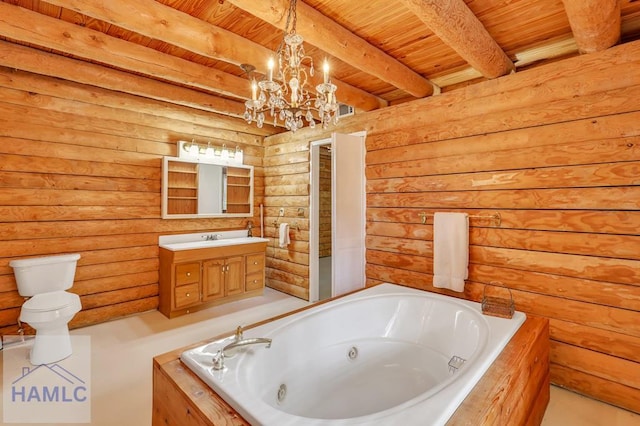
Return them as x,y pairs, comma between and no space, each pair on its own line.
80,172
324,189
286,171
555,151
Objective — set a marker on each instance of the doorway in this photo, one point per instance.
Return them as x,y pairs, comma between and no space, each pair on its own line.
337,216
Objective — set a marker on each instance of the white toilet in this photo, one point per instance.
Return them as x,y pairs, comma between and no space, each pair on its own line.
49,308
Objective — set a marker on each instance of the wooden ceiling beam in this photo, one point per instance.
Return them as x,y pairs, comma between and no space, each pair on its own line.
595,23
39,62
155,20
326,34
36,29
204,108
456,25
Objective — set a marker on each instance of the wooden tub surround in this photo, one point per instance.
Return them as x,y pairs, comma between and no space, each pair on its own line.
513,391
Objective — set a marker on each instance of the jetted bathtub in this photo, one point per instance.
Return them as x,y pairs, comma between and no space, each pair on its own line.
384,355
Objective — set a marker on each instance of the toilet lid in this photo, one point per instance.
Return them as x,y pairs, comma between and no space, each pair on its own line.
51,301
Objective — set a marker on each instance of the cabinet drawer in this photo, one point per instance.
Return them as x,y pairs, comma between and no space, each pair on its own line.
187,273
255,263
187,295
254,282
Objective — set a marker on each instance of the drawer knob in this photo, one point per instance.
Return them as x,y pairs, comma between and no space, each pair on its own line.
255,281
188,294
255,263
188,274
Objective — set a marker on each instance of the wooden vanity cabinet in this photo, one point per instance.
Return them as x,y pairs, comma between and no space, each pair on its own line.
223,277
187,288
255,272
191,280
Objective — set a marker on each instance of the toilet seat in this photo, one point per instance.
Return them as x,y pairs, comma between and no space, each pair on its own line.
50,306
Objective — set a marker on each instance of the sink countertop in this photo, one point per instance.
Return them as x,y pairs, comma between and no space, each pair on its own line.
191,245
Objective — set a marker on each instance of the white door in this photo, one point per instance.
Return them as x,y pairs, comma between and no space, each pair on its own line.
348,216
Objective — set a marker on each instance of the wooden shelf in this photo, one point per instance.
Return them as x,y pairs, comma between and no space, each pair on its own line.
187,172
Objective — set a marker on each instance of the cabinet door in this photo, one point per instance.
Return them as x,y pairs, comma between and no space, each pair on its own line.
213,279
235,275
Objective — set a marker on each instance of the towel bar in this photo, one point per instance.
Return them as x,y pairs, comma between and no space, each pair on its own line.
294,225
496,218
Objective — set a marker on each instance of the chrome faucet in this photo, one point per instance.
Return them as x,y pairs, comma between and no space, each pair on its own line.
232,348
212,237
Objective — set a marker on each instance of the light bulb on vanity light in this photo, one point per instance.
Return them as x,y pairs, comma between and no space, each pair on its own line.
209,152
225,152
194,149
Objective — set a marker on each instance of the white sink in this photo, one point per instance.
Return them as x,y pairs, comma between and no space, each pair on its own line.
191,245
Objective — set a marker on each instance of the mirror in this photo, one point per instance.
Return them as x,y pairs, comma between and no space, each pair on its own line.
194,189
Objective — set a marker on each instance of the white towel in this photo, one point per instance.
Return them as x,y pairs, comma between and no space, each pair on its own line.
450,250
284,235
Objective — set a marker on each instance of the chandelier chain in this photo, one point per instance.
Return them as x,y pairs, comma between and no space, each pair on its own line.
290,12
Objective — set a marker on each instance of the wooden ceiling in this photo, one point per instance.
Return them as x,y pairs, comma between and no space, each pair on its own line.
381,51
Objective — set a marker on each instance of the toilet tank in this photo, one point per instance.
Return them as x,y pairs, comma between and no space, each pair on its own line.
43,274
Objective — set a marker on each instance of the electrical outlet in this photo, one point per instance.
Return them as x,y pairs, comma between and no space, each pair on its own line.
281,211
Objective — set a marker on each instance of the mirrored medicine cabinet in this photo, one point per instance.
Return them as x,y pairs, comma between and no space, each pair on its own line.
195,189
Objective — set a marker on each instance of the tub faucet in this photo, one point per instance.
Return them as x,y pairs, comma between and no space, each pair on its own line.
232,348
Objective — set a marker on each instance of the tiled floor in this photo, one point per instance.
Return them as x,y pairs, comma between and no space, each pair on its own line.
122,351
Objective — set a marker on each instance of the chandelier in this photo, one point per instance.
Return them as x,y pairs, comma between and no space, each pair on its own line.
284,92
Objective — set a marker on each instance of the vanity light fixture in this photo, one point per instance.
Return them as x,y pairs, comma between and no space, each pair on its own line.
210,153
284,93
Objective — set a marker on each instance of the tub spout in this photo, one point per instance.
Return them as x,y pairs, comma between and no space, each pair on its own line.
232,348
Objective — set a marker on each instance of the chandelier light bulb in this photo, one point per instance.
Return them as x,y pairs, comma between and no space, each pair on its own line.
270,66
325,71
254,90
